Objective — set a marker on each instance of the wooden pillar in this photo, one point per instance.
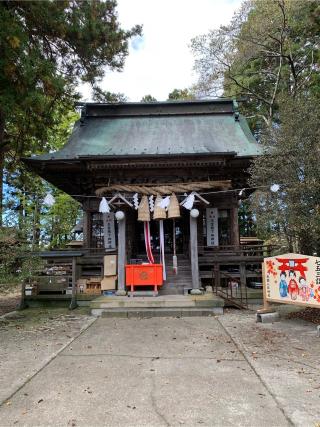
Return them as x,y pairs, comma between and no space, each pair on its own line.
86,229
243,276
73,303
200,233
194,252
217,280
234,223
120,216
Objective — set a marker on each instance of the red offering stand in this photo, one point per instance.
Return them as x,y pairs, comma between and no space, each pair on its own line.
144,275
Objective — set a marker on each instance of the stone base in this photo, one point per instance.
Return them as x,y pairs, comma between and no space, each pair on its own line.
121,293
143,294
195,292
268,317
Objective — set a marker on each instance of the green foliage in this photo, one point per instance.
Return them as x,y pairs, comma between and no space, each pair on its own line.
270,49
247,225
9,246
46,48
148,98
39,225
16,261
269,57
60,219
100,95
181,94
292,215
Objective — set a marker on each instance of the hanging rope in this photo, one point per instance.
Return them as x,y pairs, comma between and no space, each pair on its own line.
164,189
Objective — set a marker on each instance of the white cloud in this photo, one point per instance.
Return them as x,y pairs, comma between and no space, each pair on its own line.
161,60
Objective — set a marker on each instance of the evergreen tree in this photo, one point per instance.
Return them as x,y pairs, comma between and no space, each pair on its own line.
46,49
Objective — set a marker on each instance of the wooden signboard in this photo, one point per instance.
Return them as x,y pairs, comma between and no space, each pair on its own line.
108,229
212,227
292,279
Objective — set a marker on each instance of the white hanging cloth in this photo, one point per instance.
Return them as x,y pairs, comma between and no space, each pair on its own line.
104,206
162,258
147,241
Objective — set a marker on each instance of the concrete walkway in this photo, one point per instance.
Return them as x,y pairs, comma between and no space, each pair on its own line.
171,371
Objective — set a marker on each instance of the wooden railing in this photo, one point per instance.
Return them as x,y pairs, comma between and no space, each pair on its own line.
234,293
237,251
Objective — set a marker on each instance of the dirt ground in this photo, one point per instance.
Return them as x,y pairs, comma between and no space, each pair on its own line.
9,298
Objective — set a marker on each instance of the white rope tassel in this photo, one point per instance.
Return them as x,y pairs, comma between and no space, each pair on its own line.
104,206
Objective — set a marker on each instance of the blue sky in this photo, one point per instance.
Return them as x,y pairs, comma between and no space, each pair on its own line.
161,60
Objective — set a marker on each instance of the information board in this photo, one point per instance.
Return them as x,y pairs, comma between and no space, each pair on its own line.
292,279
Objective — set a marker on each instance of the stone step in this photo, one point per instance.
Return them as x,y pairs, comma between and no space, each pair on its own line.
175,304
166,312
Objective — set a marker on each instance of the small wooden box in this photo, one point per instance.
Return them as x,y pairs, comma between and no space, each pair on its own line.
109,283
110,265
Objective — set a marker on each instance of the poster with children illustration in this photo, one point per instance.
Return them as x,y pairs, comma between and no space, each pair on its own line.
292,278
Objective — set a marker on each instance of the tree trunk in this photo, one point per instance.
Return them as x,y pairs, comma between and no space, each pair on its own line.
2,146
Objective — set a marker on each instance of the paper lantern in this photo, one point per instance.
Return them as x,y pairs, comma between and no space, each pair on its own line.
159,212
119,215
194,213
143,210
174,208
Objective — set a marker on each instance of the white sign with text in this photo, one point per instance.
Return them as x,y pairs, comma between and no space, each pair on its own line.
212,227
108,228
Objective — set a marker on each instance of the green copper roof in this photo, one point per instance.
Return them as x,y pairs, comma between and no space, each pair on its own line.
201,127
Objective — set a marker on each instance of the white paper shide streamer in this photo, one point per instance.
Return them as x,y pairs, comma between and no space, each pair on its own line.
164,204
188,202
104,206
151,203
135,201
49,200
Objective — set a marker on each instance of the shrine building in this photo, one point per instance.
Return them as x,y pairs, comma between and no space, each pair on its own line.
171,175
